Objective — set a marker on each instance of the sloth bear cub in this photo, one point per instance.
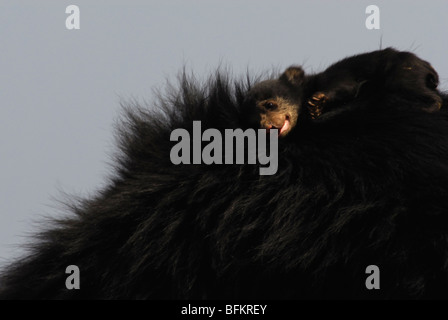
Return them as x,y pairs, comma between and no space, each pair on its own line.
362,181
366,77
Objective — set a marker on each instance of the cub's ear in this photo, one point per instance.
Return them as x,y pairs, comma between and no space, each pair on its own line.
293,76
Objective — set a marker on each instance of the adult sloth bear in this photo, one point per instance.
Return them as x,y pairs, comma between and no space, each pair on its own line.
362,180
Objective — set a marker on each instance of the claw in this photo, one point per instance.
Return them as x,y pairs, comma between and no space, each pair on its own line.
318,96
315,104
315,112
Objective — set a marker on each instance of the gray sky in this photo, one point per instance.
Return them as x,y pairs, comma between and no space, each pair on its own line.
60,89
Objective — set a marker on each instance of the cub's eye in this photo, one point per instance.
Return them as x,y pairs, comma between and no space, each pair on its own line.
270,105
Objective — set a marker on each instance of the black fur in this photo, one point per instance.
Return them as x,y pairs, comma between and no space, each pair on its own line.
365,185
376,77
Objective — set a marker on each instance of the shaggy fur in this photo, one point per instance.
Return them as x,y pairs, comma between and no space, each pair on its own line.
365,185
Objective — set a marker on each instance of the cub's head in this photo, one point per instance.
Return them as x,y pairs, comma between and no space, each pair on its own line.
276,104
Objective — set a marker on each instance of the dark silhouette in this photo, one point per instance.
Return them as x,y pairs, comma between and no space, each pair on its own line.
362,180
